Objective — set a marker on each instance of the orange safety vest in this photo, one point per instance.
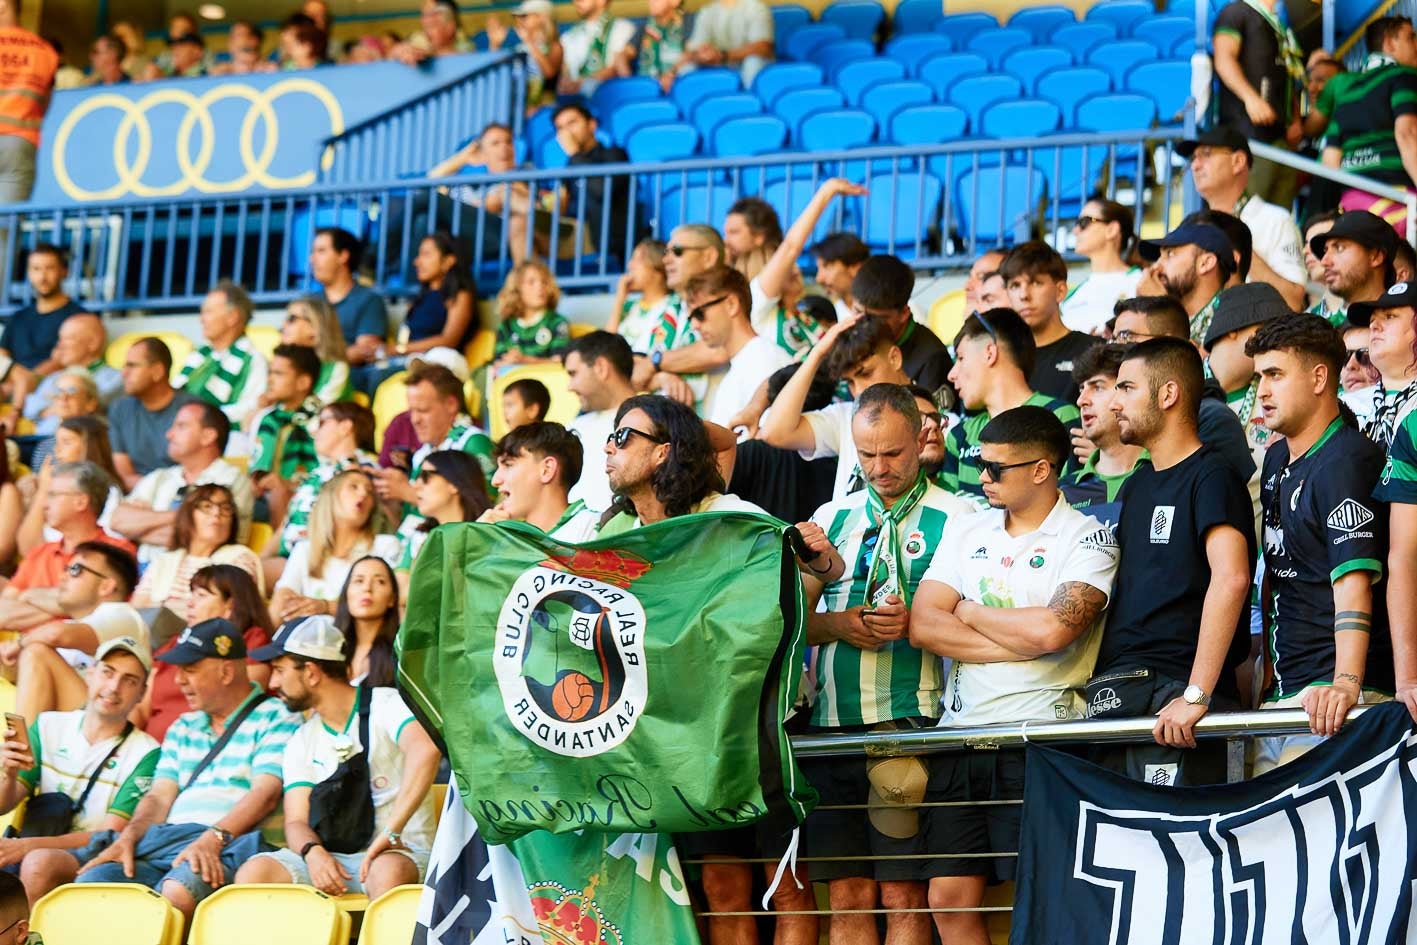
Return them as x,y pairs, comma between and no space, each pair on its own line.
27,67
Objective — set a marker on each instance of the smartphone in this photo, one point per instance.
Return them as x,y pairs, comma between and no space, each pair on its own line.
18,725
401,458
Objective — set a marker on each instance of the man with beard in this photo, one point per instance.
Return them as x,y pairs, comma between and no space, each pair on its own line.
1358,254
1192,263
1179,618
934,425
1096,486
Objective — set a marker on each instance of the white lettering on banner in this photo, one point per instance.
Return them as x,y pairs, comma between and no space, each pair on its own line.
1305,862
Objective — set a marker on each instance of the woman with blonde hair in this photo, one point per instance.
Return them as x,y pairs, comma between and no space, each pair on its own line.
532,331
313,322
204,533
346,524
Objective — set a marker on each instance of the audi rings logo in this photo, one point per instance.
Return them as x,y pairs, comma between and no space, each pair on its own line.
193,158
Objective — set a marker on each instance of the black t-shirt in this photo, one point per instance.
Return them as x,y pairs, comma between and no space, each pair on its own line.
924,357
782,482
30,337
595,194
1320,523
1262,62
1155,614
1053,370
1222,431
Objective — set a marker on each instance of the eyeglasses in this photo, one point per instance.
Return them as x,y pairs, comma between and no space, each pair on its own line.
426,475
621,437
698,313
220,509
1126,336
996,469
678,249
76,569
932,416
68,392
1361,354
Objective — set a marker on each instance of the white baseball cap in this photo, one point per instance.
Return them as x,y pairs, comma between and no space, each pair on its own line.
445,357
137,646
315,637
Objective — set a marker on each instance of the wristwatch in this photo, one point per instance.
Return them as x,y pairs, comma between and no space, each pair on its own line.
1195,695
225,836
305,850
395,837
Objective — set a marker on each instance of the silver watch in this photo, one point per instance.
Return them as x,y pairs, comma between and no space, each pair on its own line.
1195,695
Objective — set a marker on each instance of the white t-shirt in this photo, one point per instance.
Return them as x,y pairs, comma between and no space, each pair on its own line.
832,428
579,527
162,490
1089,305
753,364
593,488
66,760
316,750
987,565
1277,239
109,620
327,584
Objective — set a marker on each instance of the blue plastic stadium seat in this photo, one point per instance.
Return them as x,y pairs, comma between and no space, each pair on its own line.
1168,84
916,16
787,18
942,72
994,45
635,115
696,203
1082,38
960,27
913,50
540,126
1027,65
1026,118
884,99
670,142
613,93
837,130
978,92
790,197
860,18
1068,87
744,137
928,124
898,229
1164,31
800,44
693,87
1118,111
1042,21
833,56
794,106
855,77
1120,57
997,205
782,77
716,109
1124,14
1185,47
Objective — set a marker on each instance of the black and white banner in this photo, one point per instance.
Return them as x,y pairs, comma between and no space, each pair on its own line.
1322,851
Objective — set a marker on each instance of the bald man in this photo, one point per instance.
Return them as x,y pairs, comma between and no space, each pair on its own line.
81,343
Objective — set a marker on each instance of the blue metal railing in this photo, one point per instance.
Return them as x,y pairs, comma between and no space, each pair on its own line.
405,140
935,206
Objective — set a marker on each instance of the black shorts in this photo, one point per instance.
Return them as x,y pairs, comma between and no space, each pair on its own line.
844,836
974,829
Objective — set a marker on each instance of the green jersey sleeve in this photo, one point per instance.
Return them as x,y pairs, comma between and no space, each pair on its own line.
31,775
132,790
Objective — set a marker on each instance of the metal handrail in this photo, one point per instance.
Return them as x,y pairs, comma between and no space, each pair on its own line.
1346,178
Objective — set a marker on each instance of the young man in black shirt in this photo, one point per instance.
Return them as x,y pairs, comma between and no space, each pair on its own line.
575,132
1037,279
1179,615
1325,539
881,288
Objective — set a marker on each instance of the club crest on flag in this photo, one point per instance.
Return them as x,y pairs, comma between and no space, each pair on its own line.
571,917
570,661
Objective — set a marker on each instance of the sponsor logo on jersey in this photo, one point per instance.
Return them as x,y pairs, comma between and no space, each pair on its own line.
1349,515
1101,540
1162,518
980,554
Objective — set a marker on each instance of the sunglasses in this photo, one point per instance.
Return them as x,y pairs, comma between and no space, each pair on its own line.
1361,354
621,437
426,475
679,250
1083,222
75,569
996,469
700,312
984,323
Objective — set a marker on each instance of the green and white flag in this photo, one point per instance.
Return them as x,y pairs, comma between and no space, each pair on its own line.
632,684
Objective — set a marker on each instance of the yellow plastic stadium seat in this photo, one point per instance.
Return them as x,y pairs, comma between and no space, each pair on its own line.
361,398
271,915
112,913
564,404
390,919
390,400
473,396
177,343
352,902
264,337
480,349
947,314
260,534
581,329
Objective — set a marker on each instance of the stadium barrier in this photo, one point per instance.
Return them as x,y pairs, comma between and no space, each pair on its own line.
933,205
1290,159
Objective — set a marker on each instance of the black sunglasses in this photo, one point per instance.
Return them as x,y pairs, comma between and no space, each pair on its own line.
697,314
1084,221
621,437
75,569
679,250
984,323
426,475
996,469
1364,360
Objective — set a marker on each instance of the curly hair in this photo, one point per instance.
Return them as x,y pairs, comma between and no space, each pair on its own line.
690,471
509,300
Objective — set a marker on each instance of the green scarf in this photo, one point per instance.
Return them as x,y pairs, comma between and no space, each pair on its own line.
219,378
883,575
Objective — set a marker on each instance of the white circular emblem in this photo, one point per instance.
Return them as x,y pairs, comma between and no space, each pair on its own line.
543,335
1398,289
570,661
914,545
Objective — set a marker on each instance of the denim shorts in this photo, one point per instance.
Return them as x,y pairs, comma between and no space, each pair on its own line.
294,864
152,861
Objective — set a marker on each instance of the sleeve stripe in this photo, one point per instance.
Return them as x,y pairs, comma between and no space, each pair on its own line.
1357,564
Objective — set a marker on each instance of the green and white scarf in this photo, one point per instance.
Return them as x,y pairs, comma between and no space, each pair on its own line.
1289,49
883,574
219,377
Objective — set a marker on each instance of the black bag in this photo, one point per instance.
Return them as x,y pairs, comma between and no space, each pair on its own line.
342,805
52,813
1125,693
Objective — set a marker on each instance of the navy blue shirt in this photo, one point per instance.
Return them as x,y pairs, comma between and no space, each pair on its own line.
428,313
30,337
361,312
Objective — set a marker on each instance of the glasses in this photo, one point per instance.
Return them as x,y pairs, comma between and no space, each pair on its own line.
698,313
68,392
77,569
1083,222
1126,336
1361,354
679,250
621,437
426,475
220,509
996,469
931,416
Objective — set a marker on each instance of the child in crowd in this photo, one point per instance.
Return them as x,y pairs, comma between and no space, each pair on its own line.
532,331
526,400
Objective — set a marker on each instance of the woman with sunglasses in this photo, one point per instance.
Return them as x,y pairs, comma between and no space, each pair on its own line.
450,488
345,525
218,590
1105,236
313,322
368,616
204,534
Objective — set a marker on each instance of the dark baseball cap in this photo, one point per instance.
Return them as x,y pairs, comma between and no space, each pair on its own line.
1361,227
1212,239
1401,295
1221,136
215,639
1252,303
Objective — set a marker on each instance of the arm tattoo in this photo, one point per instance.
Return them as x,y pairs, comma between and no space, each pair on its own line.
1352,620
1347,677
1076,604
